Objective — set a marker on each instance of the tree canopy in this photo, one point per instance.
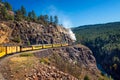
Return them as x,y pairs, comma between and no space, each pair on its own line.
8,6
22,14
104,41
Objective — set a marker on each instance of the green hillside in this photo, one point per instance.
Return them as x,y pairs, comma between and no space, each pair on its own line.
104,41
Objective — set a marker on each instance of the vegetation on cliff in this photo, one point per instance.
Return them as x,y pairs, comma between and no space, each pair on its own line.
6,13
104,41
26,28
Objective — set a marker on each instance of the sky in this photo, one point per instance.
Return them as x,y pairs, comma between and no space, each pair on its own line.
74,13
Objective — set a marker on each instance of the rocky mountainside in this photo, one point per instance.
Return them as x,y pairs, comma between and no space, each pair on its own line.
104,41
32,33
76,60
66,63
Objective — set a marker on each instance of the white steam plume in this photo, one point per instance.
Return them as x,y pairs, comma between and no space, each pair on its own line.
63,19
67,24
71,34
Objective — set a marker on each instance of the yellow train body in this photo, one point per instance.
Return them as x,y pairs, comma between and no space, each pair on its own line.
47,46
57,45
36,47
4,50
12,49
26,48
65,44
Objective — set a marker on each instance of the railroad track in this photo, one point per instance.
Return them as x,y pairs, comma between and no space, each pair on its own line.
3,59
7,57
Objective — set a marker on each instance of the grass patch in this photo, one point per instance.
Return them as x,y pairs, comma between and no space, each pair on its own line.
45,61
63,65
26,55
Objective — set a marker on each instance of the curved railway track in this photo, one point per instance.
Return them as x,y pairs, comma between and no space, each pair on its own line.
3,59
8,50
35,48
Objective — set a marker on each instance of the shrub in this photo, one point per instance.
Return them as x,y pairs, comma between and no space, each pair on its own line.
26,55
44,60
17,39
64,65
86,78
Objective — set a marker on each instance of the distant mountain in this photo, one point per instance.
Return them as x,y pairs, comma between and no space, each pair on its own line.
104,41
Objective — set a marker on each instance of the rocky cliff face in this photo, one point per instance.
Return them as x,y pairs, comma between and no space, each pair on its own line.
66,63
5,31
76,60
32,33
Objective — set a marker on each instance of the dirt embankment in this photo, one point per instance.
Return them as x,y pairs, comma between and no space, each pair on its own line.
66,63
27,67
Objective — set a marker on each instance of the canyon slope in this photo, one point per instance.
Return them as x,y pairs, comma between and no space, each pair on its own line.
67,63
104,41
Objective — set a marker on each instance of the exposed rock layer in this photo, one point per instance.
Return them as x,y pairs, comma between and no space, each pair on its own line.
32,33
75,55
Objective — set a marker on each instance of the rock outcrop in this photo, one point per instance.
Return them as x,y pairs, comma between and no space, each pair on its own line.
75,55
44,72
5,31
33,33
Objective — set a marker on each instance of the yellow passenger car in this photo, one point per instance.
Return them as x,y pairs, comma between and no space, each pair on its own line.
12,49
26,48
57,45
64,44
18,48
36,47
47,46
2,51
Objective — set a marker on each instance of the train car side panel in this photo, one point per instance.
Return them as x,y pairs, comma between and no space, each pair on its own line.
65,44
9,50
47,46
2,51
56,45
26,48
37,47
18,48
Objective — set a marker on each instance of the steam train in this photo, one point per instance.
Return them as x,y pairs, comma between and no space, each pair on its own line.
6,50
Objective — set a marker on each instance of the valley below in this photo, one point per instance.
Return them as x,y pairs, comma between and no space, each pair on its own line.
104,41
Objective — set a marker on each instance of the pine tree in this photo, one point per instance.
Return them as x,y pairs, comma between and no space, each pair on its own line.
8,6
29,15
51,19
0,1
23,11
34,17
46,19
41,19
3,13
55,20
18,15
